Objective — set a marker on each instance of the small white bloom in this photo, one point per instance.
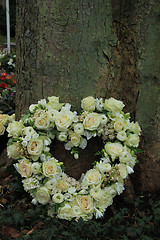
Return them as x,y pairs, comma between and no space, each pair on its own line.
58,198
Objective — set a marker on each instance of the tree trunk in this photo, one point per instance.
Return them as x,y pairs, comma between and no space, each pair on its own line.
61,50
74,49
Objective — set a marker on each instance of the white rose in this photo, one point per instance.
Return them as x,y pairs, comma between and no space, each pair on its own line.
106,200
123,170
35,146
13,150
42,195
78,128
64,119
2,129
92,177
113,149
91,121
49,168
51,184
88,103
85,202
96,193
14,129
113,105
132,140
62,185
24,167
65,212
42,122
36,167
83,143
103,167
122,136
53,99
125,157
58,198
4,118
32,107
134,127
75,139
120,124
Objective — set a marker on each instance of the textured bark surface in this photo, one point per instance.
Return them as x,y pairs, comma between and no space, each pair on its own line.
137,28
61,50
73,49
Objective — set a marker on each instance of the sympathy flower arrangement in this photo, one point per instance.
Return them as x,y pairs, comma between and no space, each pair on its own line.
43,175
7,61
7,93
5,119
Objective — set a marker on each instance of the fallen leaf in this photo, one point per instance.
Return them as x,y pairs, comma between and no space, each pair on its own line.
10,232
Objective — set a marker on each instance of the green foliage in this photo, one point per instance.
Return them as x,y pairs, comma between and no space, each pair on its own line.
134,221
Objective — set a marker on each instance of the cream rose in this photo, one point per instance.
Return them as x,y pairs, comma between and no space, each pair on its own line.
42,122
42,195
96,193
65,212
2,129
120,124
13,150
105,201
4,118
62,185
24,167
75,139
85,202
88,103
91,121
14,129
32,107
49,168
134,127
92,177
113,105
35,146
113,149
54,103
132,140
121,136
64,119
123,170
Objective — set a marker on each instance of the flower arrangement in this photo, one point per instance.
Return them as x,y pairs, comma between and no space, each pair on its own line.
43,175
7,61
5,119
7,93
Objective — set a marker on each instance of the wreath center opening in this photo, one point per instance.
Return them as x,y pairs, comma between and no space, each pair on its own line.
75,167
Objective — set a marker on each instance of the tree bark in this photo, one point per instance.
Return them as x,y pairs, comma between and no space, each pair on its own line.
74,49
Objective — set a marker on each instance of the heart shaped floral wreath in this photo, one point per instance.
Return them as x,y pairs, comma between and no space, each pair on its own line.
43,175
